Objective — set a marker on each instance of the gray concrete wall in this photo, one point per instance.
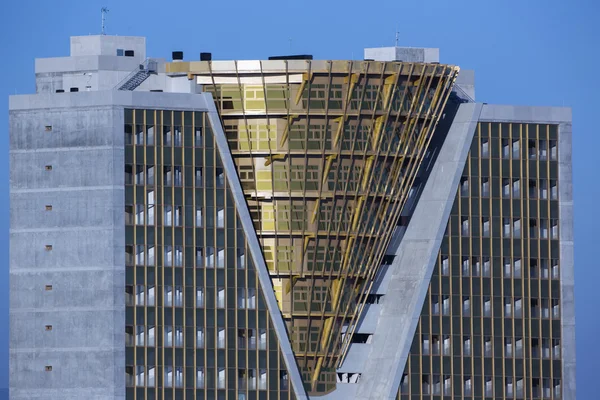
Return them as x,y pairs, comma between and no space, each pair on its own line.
414,263
408,54
86,228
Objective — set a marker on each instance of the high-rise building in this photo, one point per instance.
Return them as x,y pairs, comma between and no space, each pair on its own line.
285,229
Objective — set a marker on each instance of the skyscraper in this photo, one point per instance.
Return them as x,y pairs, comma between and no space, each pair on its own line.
286,228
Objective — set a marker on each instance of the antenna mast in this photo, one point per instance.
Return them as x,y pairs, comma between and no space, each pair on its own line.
397,35
103,10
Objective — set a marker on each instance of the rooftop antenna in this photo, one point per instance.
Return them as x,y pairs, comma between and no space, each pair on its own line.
397,37
290,39
103,10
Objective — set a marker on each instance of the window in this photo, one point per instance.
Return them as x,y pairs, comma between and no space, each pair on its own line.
48,247
48,368
198,176
554,228
425,344
447,386
516,149
487,270
509,387
200,377
520,388
404,384
553,150
445,266
198,136
485,226
464,186
506,227
556,349
507,268
220,298
506,188
48,207
532,149
48,327
487,306
241,259
220,177
516,184
485,148
544,271
544,228
48,167
517,268
543,153
447,345
199,297
120,52
533,229
48,287
446,305
220,216
199,337
262,339
543,189
168,296
555,308
466,306
489,387
198,216
485,187
519,347
505,148
518,308
220,338
553,189
468,387
48,128
465,226
466,346
177,137
508,347
487,347
466,266
209,257
555,270
435,305
508,307
533,190
220,258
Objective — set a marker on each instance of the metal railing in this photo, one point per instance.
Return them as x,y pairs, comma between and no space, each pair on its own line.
148,67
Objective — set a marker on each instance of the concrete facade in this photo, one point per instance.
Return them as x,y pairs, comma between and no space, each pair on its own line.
85,227
85,306
407,54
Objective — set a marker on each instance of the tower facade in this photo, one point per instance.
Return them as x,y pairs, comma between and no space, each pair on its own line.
286,228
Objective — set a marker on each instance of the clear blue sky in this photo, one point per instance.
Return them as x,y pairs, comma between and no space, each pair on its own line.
529,52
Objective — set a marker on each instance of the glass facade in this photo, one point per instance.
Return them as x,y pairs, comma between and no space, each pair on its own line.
490,326
196,322
326,152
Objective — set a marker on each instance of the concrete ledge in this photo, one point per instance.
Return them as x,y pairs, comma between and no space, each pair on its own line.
544,115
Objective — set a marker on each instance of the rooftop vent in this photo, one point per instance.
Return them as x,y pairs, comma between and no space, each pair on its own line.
293,57
205,56
178,56
129,53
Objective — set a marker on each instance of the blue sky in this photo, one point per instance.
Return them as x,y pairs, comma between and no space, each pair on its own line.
524,52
